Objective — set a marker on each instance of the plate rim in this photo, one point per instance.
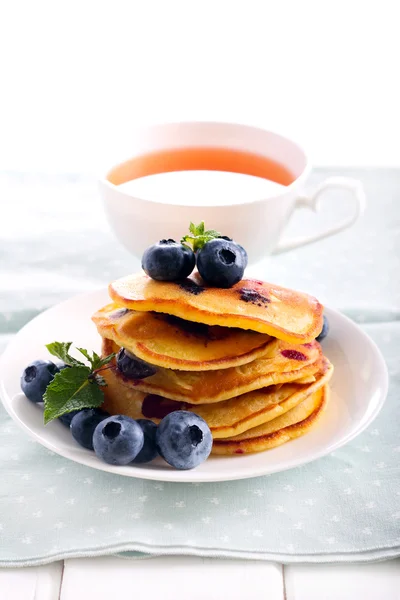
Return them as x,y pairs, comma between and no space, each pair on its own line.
187,476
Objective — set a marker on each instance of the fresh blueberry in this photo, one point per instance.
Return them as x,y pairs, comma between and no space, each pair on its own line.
168,261
245,257
324,331
36,377
133,367
67,418
221,263
84,423
149,450
183,439
225,237
118,440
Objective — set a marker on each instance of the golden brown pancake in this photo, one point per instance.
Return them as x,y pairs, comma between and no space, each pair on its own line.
292,424
307,379
283,363
250,304
170,342
225,419
234,416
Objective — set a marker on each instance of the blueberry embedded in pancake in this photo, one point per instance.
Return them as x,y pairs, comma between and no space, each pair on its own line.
191,287
250,304
293,354
253,296
191,327
156,407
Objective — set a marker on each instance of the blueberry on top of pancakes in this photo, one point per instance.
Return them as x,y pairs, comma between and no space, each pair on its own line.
168,261
228,239
221,263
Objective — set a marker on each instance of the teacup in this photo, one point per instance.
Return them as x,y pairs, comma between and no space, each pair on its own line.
257,224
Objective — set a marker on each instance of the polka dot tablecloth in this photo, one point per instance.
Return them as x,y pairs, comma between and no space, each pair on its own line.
346,506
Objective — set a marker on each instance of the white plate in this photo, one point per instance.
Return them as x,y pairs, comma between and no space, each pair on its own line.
358,390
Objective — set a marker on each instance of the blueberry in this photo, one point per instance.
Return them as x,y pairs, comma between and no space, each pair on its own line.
36,377
168,261
133,367
221,263
84,423
246,259
183,439
324,331
149,450
118,440
67,418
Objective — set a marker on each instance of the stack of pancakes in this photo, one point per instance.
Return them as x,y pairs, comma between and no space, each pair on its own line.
245,358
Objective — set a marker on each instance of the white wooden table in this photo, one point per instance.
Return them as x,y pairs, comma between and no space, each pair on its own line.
183,578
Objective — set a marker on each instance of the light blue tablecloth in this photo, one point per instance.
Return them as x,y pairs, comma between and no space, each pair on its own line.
55,243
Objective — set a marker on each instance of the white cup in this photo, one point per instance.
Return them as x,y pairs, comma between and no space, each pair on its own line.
257,224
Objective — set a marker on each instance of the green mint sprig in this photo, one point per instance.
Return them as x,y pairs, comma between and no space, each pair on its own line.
199,236
76,387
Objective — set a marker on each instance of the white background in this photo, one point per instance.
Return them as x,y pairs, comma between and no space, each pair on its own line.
76,77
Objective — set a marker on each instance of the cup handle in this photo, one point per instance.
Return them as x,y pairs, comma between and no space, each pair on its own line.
313,201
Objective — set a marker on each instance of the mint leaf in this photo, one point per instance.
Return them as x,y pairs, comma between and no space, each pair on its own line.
71,389
77,387
100,362
85,354
95,360
192,228
61,351
199,236
212,233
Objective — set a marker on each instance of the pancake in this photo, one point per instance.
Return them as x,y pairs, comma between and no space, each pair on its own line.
170,342
234,416
293,424
306,379
225,419
285,314
283,363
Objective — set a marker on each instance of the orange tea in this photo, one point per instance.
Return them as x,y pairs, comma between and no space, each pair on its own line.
201,159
